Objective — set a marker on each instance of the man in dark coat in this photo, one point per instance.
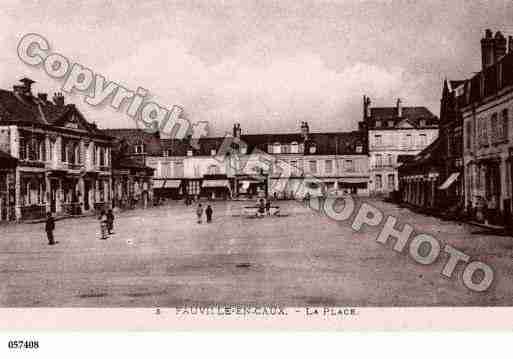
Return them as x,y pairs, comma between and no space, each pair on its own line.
209,212
110,221
49,228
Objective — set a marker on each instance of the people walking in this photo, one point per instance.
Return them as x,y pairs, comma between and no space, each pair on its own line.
103,224
49,228
199,212
110,221
208,213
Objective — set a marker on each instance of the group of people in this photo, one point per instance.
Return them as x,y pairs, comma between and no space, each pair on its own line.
208,213
106,226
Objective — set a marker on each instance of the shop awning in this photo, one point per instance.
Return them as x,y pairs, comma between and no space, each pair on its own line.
162,183
450,180
215,183
158,183
172,184
353,180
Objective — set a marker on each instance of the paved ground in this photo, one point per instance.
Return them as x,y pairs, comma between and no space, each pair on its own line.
161,257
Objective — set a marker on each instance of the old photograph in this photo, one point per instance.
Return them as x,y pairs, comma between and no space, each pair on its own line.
256,156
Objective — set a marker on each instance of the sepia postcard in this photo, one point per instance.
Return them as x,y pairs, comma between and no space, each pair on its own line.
304,164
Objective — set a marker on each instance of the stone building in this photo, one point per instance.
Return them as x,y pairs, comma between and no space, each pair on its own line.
132,179
487,149
62,161
395,134
433,180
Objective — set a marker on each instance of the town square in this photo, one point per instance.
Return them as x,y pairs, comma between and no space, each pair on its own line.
202,167
160,257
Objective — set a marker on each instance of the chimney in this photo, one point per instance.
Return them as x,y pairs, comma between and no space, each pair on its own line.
43,97
25,89
487,49
304,130
236,130
399,108
500,46
58,99
366,107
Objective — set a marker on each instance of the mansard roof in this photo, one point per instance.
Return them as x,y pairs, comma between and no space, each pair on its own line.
326,143
21,109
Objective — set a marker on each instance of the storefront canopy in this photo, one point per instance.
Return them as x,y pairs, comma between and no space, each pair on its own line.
449,181
172,184
215,183
353,180
166,183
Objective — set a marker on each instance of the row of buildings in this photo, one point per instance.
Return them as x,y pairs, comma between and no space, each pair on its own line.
53,160
468,169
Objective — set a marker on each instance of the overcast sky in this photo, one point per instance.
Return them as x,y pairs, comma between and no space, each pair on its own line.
265,64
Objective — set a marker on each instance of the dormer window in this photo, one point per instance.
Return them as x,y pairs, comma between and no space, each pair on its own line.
313,149
276,148
294,147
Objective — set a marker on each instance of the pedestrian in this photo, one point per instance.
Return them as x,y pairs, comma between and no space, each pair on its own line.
49,228
110,221
209,212
268,207
103,224
199,212
261,207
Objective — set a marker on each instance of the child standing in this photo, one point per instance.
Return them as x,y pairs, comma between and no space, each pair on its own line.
110,221
103,224
199,212
49,228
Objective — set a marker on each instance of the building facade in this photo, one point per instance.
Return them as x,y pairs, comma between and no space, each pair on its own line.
487,147
395,135
62,161
7,186
132,180
252,165
433,180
